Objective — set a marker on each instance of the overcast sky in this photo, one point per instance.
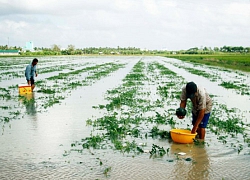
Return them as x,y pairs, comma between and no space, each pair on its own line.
151,24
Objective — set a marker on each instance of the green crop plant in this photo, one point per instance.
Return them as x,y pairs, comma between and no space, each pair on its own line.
155,132
164,70
135,132
241,88
5,107
201,73
118,145
75,84
123,98
139,149
52,100
5,119
230,126
160,119
65,75
92,142
113,91
15,113
240,148
132,84
5,93
163,90
127,147
157,151
229,85
135,77
47,91
199,143
39,82
106,171
223,139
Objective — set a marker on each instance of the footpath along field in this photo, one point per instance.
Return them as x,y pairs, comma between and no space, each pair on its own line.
110,117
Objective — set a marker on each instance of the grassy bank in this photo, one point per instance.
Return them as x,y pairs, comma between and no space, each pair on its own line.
231,61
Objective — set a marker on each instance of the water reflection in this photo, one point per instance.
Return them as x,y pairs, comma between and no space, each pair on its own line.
194,164
29,101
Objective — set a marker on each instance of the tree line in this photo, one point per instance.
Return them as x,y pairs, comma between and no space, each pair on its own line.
71,50
226,49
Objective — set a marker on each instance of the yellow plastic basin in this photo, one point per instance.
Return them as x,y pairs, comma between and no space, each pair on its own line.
24,89
182,136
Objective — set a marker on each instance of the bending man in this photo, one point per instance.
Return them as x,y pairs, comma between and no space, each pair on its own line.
30,73
201,107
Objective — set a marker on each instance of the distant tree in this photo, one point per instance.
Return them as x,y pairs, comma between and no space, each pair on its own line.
4,47
247,49
216,49
227,48
55,47
78,52
205,49
71,49
193,49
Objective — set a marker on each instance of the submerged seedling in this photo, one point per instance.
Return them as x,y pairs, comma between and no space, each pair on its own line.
106,171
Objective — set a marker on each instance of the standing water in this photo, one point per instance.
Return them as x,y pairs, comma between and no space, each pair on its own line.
110,117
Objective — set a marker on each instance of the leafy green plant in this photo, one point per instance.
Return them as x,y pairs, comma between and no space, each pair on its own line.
157,151
47,91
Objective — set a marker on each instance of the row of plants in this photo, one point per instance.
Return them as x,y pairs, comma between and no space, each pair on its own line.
51,91
138,115
126,127
124,117
224,122
116,102
231,125
64,83
8,73
133,116
238,85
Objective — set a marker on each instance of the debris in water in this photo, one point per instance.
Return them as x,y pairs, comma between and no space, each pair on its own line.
181,153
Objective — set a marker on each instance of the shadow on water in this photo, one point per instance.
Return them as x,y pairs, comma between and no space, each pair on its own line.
192,161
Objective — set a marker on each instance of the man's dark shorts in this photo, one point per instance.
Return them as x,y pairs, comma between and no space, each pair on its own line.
204,121
32,81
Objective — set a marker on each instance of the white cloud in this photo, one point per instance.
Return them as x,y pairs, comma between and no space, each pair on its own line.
239,9
149,24
151,7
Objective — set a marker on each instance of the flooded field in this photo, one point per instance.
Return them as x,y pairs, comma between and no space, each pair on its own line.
110,117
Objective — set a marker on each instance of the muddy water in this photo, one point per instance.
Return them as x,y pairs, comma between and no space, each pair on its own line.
37,145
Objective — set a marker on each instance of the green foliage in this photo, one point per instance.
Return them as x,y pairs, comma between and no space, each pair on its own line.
93,141
47,91
157,151
241,88
227,60
156,132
